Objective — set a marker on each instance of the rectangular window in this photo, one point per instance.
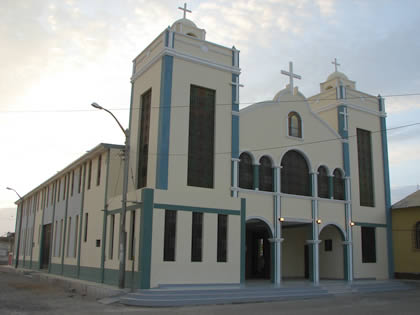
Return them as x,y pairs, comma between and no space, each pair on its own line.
61,236
328,245
55,239
72,182
98,174
169,236
222,220
132,230
79,188
197,237
201,137
58,193
89,174
86,227
111,236
368,245
76,229
68,238
364,153
146,101
65,187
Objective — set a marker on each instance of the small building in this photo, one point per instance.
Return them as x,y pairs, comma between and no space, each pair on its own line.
406,236
6,247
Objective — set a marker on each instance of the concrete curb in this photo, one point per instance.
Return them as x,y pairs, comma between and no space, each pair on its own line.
84,288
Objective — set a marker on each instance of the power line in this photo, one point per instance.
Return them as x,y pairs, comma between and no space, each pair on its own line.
218,104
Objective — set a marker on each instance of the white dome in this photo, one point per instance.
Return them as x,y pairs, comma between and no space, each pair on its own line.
185,22
337,75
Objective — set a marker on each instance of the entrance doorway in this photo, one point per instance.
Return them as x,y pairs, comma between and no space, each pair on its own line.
258,250
46,243
331,253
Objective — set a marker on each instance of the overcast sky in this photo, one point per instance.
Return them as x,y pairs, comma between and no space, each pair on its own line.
57,57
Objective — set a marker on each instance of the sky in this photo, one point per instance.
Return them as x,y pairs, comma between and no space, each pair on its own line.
59,56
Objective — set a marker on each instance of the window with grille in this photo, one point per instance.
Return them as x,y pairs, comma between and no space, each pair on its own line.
368,244
295,177
222,220
197,236
265,174
417,235
323,182
295,125
169,236
364,153
146,101
338,185
246,178
201,137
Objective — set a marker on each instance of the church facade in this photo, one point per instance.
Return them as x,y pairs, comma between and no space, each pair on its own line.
289,188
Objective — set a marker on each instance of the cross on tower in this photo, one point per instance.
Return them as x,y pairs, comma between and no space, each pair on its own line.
336,64
291,75
345,118
185,10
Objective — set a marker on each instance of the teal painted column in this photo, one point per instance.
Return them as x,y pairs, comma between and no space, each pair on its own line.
256,175
145,237
315,231
41,240
65,223
19,232
387,188
243,239
82,202
54,192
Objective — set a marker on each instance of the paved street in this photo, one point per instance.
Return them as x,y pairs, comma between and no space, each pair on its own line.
20,294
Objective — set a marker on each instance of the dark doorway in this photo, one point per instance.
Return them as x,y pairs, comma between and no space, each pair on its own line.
46,243
258,250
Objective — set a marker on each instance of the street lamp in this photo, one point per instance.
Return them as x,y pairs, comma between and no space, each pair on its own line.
20,224
123,233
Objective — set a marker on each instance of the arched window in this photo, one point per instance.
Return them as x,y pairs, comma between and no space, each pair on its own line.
266,174
246,179
417,236
338,185
295,174
323,182
295,125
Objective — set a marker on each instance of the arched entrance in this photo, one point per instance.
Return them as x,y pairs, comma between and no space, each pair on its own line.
331,253
258,250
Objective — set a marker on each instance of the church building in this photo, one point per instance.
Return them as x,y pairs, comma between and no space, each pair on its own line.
294,187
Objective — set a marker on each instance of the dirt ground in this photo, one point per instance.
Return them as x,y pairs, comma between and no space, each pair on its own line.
20,294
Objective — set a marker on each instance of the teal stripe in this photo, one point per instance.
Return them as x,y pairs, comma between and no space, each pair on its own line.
256,174
146,230
330,187
82,201
104,224
196,209
387,190
243,239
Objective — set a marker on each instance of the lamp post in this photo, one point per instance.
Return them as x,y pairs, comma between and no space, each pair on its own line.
123,233
20,225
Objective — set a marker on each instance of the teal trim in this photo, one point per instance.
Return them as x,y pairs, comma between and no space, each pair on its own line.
196,209
235,136
164,123
387,190
90,274
370,224
82,203
243,239
145,237
256,176
17,242
273,263
70,271
104,224
232,163
55,268
41,240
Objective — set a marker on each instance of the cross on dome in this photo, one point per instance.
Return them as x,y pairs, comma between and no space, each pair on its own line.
336,64
185,10
291,75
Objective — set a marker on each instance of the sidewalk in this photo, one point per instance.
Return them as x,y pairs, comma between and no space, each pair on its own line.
84,288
